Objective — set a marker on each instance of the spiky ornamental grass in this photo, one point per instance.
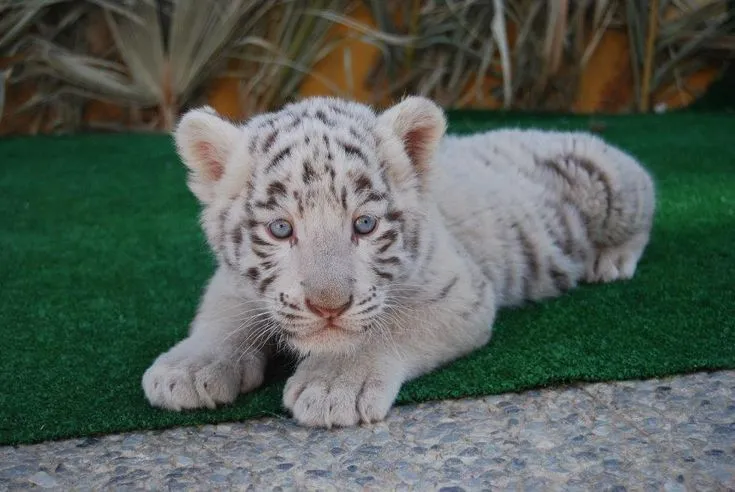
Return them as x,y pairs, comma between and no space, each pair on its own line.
538,50
163,54
156,57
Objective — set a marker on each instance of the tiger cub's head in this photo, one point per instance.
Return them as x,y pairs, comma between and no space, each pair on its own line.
319,210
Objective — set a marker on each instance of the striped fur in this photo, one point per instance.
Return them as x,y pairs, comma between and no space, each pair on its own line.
465,225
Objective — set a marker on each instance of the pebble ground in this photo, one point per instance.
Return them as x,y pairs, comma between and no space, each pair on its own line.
676,434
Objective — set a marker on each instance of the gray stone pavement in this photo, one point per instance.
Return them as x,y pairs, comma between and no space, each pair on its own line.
676,434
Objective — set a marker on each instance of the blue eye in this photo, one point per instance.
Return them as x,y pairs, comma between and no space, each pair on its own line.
365,224
281,229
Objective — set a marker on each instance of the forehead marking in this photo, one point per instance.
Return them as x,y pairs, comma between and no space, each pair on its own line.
276,188
278,158
308,174
353,151
268,143
362,183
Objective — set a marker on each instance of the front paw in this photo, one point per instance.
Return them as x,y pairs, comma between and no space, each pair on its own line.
327,393
186,379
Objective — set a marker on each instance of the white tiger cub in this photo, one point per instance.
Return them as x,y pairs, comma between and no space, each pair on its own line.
378,250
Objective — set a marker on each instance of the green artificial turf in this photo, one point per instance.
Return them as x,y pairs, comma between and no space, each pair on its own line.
102,263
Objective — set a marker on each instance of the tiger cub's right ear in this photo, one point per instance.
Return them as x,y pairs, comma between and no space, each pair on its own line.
205,143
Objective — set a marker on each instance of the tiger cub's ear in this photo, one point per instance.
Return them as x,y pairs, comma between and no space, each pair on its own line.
419,124
205,143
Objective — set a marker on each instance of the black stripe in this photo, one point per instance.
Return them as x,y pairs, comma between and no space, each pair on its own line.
261,254
362,183
595,172
430,251
259,241
355,133
555,168
511,273
367,309
477,305
374,196
354,151
299,202
270,204
268,142
237,236
266,282
329,169
344,198
382,274
308,174
253,273
267,121
412,240
393,260
394,215
221,234
567,245
278,158
276,188
323,118
293,124
531,260
341,111
391,236
443,293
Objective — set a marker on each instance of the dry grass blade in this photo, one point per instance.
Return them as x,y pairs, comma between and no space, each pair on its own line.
501,39
555,33
364,28
17,17
99,77
634,20
201,33
140,44
685,50
652,32
292,38
603,18
3,79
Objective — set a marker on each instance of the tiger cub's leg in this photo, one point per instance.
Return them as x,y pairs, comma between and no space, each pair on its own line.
616,198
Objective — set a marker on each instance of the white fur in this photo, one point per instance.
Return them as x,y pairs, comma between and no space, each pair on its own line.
485,221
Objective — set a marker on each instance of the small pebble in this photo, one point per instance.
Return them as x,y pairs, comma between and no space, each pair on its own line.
43,480
183,461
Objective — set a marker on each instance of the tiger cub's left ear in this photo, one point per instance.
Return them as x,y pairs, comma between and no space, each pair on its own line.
205,143
419,124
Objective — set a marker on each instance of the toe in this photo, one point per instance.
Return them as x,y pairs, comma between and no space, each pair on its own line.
179,391
217,383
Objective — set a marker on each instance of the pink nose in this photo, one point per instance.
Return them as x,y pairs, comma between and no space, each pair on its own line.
327,311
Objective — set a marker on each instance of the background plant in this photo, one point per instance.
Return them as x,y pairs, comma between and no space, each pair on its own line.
150,59
530,54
